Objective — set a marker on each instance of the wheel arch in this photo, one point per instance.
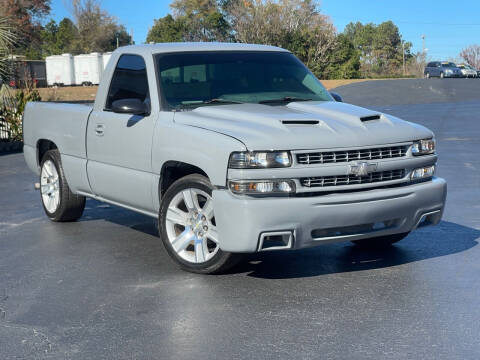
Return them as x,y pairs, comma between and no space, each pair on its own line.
173,170
44,145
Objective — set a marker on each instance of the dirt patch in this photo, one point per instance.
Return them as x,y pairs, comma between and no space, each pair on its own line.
87,93
331,84
69,93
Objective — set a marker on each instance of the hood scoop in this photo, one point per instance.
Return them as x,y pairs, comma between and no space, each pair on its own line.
370,118
300,122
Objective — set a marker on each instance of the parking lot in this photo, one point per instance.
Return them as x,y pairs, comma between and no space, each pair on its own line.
104,287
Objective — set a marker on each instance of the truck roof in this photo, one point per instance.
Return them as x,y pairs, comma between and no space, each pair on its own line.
158,48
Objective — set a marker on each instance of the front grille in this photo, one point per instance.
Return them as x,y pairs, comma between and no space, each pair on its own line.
350,155
379,176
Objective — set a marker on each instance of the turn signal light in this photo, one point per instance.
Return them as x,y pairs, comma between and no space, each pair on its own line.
252,187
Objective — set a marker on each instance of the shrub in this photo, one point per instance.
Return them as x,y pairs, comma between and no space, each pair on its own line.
12,106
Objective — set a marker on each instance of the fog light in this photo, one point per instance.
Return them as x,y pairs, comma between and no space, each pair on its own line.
423,173
252,187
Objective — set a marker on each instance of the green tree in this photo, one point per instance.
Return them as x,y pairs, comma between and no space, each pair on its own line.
166,29
67,37
202,20
59,39
380,46
344,60
49,38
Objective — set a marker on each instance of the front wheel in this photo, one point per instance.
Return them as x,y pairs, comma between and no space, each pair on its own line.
188,228
441,75
381,241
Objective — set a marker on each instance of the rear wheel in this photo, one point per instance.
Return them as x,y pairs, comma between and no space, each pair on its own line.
58,201
427,75
188,228
381,241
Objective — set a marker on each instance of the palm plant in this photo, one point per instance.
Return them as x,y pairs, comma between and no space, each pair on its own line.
8,37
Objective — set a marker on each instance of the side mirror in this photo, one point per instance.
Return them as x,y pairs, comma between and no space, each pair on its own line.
336,96
129,106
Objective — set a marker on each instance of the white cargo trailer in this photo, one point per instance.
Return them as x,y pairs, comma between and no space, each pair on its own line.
88,69
60,70
106,58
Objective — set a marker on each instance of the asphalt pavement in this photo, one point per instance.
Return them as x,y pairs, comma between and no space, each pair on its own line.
104,287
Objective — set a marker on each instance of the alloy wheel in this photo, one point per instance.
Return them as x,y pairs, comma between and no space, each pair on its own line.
50,186
191,227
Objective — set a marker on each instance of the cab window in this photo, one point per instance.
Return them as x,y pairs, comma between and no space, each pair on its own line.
129,80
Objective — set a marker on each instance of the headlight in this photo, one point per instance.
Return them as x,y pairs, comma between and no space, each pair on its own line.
423,147
422,173
259,159
257,187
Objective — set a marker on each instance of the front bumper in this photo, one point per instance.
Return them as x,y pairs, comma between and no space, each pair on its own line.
328,218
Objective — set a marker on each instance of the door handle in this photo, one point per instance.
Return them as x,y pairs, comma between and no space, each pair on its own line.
99,129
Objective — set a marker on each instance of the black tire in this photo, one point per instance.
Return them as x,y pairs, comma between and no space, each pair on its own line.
381,241
221,261
71,206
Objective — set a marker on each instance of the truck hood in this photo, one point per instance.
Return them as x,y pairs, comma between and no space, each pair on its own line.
303,125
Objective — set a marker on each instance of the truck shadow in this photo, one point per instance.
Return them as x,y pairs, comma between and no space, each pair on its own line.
447,238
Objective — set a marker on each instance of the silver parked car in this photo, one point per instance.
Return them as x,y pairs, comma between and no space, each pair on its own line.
467,70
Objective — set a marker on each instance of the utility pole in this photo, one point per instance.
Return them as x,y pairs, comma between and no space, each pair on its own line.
403,56
117,42
424,51
131,37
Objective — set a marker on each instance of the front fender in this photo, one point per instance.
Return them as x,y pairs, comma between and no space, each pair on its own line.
202,148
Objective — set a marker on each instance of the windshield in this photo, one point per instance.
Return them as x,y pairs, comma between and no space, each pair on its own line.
189,80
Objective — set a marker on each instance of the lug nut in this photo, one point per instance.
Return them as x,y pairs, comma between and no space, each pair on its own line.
204,218
205,228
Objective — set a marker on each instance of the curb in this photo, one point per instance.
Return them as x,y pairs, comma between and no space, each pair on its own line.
10,147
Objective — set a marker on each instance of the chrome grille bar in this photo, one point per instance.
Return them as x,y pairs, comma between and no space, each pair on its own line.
351,155
379,176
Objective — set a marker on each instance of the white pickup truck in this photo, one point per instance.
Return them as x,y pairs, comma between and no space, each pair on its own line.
235,149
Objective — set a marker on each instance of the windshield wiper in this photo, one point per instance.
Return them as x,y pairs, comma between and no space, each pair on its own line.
193,103
223,101
283,100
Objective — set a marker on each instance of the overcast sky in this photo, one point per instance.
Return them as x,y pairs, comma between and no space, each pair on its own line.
448,26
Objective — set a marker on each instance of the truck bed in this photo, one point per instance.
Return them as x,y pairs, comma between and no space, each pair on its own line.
62,123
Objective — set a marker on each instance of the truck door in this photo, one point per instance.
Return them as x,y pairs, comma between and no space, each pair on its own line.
119,145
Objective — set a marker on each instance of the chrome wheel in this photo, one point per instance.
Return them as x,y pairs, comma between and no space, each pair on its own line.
50,186
191,227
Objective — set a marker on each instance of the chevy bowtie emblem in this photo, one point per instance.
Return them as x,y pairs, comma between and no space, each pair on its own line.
362,168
